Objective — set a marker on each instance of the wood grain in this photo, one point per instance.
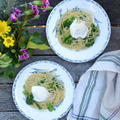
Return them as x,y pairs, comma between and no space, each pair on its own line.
112,7
15,116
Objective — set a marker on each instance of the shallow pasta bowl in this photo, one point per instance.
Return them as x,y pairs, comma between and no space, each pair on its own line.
33,113
100,18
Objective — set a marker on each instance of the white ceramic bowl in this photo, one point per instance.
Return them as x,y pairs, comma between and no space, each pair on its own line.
100,17
35,114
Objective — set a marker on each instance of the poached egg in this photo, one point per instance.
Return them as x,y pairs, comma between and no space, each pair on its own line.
78,29
40,93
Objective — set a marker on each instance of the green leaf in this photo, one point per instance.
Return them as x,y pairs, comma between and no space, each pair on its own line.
26,34
39,3
49,8
11,75
13,51
30,52
5,61
36,38
28,12
21,42
33,45
17,65
39,107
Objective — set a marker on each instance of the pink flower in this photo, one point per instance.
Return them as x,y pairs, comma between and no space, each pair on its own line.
46,3
24,56
34,9
17,12
13,17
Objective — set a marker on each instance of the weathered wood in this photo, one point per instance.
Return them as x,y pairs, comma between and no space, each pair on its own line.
6,101
112,7
11,116
76,70
14,116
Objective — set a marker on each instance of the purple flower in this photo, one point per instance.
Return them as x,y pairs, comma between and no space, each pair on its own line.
12,17
34,9
17,12
46,3
24,56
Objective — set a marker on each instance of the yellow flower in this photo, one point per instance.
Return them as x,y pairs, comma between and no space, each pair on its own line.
0,53
4,28
2,35
8,41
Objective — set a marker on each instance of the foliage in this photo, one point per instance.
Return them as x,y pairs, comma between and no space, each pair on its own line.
16,43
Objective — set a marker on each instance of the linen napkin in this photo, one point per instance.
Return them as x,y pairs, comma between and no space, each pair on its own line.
97,95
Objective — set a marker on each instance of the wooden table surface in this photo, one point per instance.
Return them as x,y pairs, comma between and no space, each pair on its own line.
8,111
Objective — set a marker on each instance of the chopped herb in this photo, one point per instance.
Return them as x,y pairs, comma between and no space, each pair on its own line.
89,44
39,107
81,17
66,39
92,25
26,93
57,85
42,81
29,99
53,78
52,86
91,38
49,106
68,22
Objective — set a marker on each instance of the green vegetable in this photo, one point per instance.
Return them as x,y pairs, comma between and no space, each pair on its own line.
42,81
92,25
67,39
49,106
53,78
92,36
68,22
29,97
94,28
39,107
26,93
81,17
57,85
89,44
52,86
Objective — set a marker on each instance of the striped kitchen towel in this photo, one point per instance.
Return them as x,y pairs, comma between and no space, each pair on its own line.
97,95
